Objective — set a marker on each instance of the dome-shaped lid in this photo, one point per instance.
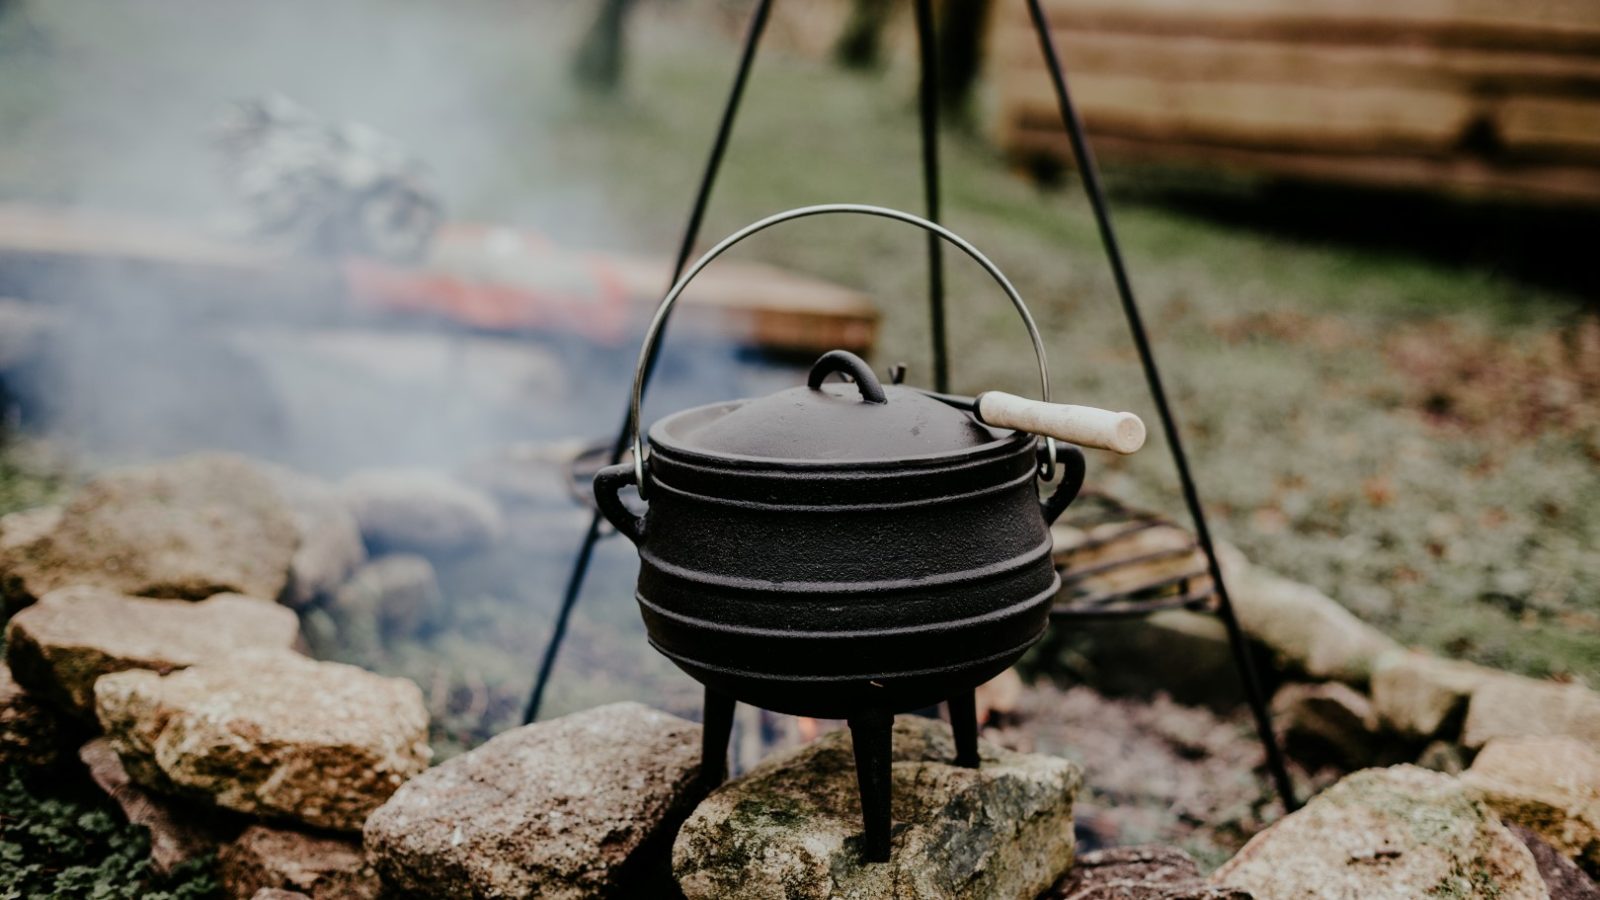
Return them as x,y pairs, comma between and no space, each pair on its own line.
834,422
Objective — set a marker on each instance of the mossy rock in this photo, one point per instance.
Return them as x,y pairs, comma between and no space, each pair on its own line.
792,826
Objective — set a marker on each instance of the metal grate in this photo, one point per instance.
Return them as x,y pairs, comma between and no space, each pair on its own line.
1120,562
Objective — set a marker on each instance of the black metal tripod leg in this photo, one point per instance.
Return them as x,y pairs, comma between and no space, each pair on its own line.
716,730
1089,173
691,232
928,113
872,734
964,725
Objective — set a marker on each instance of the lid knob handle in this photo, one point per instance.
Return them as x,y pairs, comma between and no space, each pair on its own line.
852,365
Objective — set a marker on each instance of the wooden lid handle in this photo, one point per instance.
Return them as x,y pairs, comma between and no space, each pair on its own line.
1086,426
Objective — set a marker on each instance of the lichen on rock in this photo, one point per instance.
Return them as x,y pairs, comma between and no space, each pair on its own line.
576,807
1401,833
186,529
58,647
1548,784
269,733
792,826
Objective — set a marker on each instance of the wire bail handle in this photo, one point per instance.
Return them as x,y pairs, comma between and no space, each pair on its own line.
1047,470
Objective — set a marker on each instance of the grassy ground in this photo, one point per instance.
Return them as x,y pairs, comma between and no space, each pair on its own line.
60,844
1419,439
1417,436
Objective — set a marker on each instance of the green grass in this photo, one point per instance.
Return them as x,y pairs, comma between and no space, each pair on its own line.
57,846
1328,446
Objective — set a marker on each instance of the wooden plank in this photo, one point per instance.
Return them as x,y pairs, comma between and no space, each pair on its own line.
1549,25
774,308
1014,54
1562,185
1551,127
1266,116
484,277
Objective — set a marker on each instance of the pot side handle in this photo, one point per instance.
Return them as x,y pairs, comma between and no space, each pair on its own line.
1072,473
608,485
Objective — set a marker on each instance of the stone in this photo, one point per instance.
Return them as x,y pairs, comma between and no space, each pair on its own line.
58,647
1138,873
269,733
19,529
1422,697
330,547
276,894
399,592
178,831
1443,756
580,806
1548,784
1326,724
421,511
791,827
1514,706
322,867
1306,630
1400,833
1562,878
187,529
29,732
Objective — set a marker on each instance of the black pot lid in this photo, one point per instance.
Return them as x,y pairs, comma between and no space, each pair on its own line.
835,421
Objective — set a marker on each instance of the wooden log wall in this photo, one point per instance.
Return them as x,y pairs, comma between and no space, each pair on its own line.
1496,97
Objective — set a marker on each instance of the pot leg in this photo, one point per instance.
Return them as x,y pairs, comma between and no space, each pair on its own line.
964,725
872,734
718,727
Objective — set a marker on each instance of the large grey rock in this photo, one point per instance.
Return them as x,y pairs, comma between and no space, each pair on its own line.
187,529
579,806
330,545
29,732
273,734
178,831
322,867
399,594
1326,724
1308,632
1514,706
791,827
1138,873
1548,784
1421,697
58,647
1401,833
421,511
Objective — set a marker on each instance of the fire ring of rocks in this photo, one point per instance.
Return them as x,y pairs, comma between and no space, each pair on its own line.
152,646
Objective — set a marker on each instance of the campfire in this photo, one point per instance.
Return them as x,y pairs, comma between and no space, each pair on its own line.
342,578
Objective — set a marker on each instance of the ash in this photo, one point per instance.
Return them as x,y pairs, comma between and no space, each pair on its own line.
1155,771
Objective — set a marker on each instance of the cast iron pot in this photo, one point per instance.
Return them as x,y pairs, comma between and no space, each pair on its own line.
837,547
845,550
